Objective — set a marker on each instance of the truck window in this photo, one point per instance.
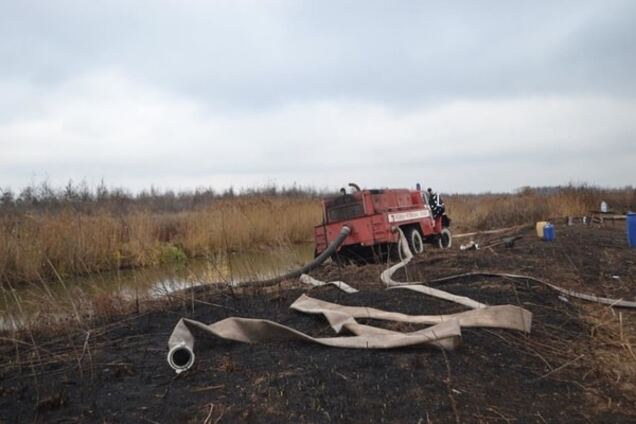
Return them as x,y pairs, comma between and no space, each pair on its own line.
347,211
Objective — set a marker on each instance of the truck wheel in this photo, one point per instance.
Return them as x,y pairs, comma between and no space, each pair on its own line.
445,239
416,244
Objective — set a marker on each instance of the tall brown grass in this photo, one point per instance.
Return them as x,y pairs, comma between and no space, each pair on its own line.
37,245
486,211
62,236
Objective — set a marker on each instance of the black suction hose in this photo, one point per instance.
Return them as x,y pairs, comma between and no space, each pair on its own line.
331,249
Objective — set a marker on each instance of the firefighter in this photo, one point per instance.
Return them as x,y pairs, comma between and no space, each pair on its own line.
436,203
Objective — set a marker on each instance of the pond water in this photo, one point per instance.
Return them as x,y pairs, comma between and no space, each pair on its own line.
58,300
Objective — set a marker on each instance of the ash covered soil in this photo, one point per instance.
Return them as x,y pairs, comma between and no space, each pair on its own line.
575,366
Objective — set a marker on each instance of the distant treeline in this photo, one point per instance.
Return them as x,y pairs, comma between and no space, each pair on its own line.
81,197
42,197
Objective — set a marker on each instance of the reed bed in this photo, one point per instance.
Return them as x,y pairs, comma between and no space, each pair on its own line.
47,235
47,245
486,211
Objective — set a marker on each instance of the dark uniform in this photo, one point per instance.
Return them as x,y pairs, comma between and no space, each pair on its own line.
436,203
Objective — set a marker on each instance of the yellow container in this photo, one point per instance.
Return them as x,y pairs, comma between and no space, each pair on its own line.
540,226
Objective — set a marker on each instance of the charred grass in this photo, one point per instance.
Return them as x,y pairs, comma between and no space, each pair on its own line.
116,371
577,365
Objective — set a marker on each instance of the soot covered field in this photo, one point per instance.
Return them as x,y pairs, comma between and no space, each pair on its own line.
577,365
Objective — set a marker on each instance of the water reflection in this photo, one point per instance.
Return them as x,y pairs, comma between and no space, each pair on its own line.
55,301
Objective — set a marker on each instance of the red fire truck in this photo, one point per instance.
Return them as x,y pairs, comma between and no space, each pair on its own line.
373,217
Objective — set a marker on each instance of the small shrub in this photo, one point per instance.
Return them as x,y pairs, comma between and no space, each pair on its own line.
171,254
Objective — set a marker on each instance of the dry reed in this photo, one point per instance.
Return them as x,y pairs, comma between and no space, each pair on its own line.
70,238
68,242
486,211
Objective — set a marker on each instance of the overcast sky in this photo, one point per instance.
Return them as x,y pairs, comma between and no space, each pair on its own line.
460,95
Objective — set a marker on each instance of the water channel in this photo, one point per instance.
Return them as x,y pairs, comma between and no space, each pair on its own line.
57,300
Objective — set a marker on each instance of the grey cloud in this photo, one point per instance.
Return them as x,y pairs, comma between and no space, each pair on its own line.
228,92
254,55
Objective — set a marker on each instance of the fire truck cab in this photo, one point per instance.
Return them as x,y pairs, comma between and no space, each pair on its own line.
373,217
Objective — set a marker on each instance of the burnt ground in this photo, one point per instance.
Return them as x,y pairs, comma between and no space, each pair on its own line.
576,366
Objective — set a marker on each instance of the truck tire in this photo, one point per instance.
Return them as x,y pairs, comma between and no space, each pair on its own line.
445,239
416,244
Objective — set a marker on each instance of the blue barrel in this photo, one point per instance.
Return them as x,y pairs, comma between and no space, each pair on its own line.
631,229
548,232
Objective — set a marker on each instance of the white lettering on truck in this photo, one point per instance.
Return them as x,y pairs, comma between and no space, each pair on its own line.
405,216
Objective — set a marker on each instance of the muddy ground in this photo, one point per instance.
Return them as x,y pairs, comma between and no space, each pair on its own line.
577,365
